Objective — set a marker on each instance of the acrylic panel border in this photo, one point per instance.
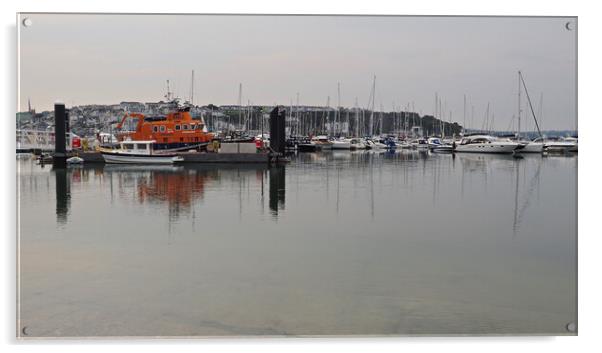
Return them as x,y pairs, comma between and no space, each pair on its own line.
13,162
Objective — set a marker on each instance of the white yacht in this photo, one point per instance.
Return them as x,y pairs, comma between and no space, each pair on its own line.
561,144
341,144
437,145
137,152
375,144
403,144
535,146
434,142
322,142
357,144
420,143
487,144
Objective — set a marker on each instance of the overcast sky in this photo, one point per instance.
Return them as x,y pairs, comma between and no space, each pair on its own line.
105,59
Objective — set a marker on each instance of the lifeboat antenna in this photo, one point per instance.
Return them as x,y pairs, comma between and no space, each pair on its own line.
168,95
192,89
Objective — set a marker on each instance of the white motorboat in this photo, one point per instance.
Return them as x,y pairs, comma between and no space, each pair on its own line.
420,143
487,144
561,144
341,144
434,142
357,144
403,144
437,145
379,145
322,142
137,152
535,146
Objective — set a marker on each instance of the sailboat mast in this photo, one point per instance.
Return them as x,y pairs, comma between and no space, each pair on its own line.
529,100
338,115
357,119
464,115
239,104
290,118
297,116
541,110
370,131
519,110
330,126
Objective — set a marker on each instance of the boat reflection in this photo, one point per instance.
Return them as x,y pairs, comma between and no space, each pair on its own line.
178,187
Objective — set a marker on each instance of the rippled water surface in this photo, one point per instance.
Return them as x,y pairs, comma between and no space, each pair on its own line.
331,244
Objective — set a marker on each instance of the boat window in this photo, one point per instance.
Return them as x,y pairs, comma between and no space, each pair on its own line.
185,127
128,146
177,127
155,128
162,128
141,147
191,126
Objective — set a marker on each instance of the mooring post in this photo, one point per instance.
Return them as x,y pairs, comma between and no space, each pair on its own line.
277,129
59,159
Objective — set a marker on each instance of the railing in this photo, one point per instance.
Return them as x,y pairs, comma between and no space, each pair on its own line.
39,140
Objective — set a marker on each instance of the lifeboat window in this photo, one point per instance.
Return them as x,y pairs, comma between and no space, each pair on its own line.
162,128
177,127
141,147
191,126
185,127
128,146
155,129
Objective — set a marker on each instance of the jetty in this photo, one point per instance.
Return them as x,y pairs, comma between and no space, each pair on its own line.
226,153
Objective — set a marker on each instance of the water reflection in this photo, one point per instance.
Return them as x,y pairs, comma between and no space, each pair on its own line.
177,187
277,188
414,241
180,187
527,196
63,194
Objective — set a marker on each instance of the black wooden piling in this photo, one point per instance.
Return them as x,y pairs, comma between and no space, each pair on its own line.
59,159
277,125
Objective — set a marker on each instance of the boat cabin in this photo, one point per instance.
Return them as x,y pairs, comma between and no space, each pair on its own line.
136,147
476,139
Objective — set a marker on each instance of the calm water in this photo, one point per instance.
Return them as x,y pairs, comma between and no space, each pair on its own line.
332,244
